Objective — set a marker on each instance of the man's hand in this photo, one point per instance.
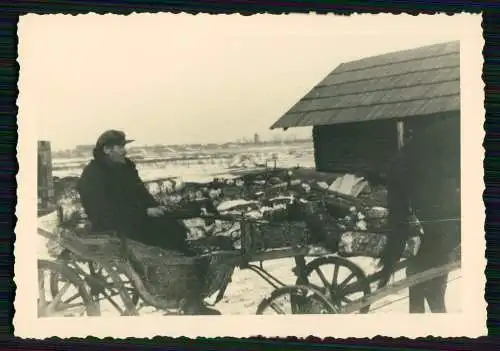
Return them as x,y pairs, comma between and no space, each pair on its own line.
163,208
155,211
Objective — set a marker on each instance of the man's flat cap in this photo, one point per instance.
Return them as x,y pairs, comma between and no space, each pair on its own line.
112,138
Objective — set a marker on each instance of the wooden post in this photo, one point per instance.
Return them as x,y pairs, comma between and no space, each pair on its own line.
45,180
401,142
406,283
401,134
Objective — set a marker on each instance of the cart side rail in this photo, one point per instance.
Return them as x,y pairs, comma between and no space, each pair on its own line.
400,285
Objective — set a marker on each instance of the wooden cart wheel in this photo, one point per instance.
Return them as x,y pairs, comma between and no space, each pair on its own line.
73,299
110,288
341,280
297,299
100,283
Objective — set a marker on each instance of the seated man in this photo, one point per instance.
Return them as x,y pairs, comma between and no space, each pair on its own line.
115,198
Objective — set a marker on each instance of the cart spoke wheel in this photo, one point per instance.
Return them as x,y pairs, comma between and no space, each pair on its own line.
101,286
339,279
344,283
346,299
335,274
72,299
296,299
276,308
321,276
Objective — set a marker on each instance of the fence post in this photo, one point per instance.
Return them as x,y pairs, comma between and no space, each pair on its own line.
45,180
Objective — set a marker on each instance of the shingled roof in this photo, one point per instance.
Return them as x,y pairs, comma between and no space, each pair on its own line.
420,81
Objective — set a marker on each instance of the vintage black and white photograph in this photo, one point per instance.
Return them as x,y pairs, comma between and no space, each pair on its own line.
211,166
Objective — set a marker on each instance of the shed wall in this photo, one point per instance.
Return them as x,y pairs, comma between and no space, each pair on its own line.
365,147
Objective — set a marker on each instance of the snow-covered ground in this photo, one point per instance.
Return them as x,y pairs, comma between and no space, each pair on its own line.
194,169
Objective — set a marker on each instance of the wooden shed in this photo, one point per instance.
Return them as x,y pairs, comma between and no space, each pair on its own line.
363,110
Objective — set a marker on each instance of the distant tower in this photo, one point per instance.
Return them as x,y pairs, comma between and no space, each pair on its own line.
256,138
45,181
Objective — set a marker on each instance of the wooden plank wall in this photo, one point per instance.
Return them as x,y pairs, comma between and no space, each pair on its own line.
368,147
365,148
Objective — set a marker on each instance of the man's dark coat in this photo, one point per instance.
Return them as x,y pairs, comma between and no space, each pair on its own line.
115,198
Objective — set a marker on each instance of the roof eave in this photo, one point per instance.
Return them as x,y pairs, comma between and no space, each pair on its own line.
281,125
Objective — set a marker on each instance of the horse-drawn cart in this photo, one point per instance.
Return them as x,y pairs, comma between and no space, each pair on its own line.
93,267
96,268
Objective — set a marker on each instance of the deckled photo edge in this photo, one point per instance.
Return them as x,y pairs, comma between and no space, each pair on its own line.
472,96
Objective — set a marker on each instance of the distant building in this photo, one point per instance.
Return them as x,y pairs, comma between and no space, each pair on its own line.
256,138
84,148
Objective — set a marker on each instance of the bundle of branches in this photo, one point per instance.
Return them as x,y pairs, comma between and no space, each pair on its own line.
275,195
371,244
363,227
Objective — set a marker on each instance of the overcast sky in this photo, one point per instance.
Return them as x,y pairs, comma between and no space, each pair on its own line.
186,79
